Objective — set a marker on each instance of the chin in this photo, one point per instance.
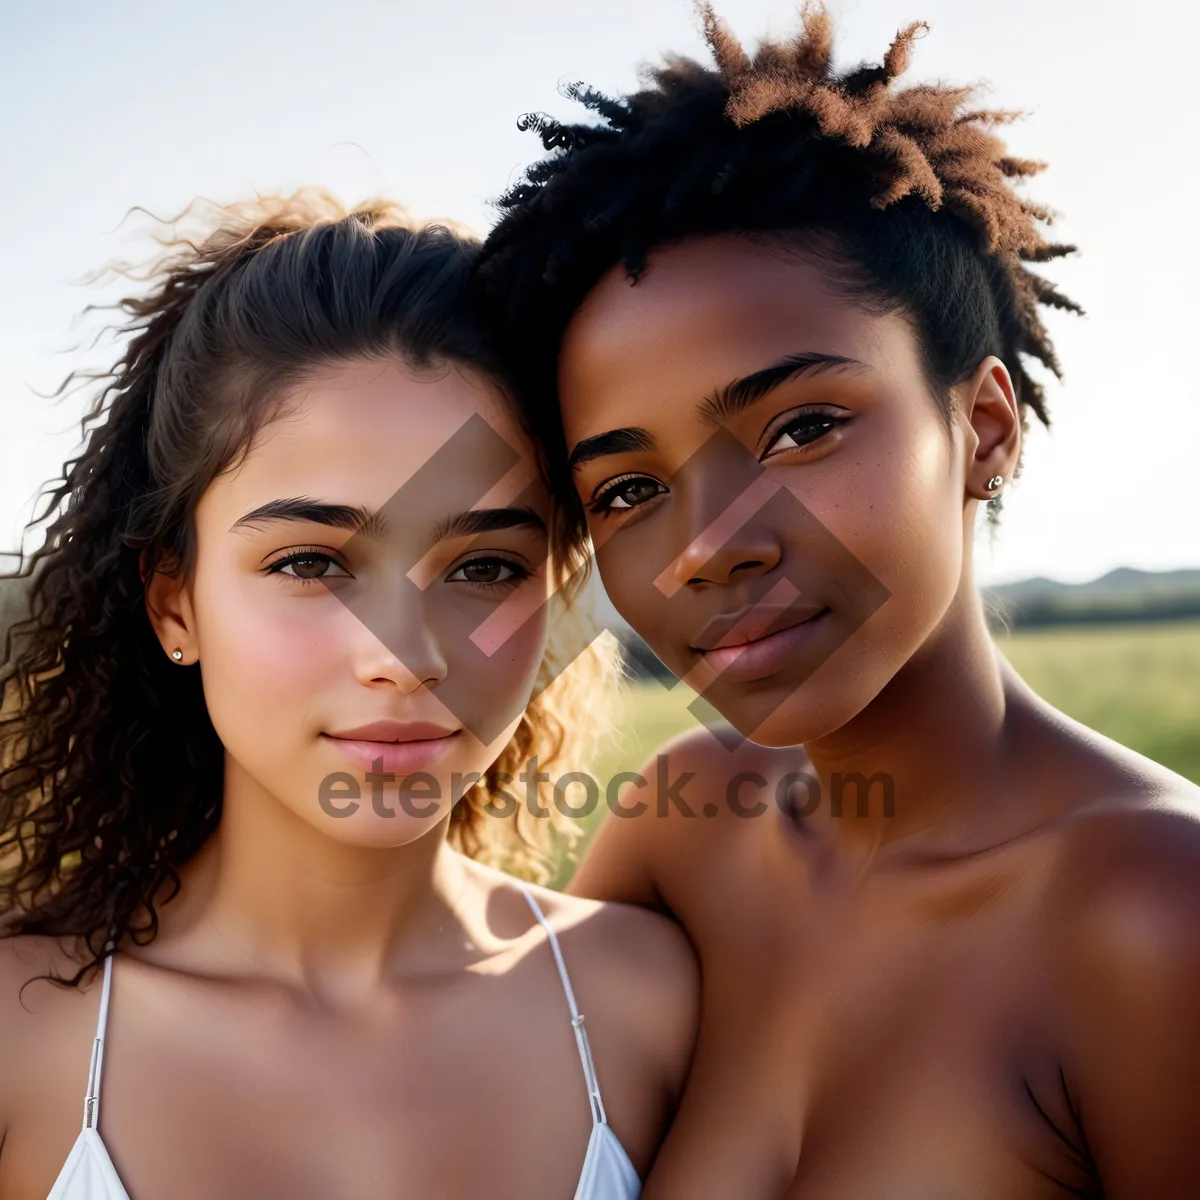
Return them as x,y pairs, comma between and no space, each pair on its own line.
788,717
368,830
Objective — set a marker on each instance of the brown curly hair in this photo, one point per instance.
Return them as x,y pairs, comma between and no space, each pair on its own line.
906,195
111,773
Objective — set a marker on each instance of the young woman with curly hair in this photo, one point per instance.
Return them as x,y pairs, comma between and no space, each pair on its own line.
262,733
782,331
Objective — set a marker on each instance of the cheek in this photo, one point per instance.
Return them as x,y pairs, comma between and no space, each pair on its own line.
262,653
629,564
492,655
899,513
491,670
925,547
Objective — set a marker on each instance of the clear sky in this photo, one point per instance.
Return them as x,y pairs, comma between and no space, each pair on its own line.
135,102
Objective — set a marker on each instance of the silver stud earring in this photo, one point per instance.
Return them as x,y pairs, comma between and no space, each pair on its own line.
995,482
177,655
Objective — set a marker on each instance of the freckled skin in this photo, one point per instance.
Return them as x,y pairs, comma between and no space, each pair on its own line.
987,987
341,1005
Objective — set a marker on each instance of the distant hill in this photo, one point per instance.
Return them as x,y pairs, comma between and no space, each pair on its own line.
1124,594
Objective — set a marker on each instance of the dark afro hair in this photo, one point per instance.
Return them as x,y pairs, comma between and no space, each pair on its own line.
906,193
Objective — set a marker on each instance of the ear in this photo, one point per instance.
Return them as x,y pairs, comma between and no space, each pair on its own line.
989,402
169,607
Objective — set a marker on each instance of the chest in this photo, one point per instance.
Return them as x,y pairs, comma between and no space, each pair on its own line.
861,1050
426,1098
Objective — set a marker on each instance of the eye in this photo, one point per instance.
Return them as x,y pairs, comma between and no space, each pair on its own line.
625,492
488,572
307,566
801,430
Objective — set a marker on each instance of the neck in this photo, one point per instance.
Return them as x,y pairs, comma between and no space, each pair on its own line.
270,893
932,746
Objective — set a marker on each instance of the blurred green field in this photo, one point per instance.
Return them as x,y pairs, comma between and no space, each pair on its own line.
1138,684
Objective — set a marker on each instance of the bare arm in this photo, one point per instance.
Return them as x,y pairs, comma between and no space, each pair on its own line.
24,1027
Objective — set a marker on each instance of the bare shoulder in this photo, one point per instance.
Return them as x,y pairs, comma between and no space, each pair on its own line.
1146,836
724,767
23,992
636,959
1124,922
709,786
1128,886
647,947
712,774
636,978
34,1012
643,954
688,801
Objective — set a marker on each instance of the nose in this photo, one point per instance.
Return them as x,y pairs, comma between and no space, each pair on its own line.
397,646
728,538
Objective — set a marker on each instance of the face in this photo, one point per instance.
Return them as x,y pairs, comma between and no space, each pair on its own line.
777,501
366,602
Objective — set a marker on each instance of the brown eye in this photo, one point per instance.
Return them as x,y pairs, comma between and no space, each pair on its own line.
310,568
802,431
630,492
309,565
487,571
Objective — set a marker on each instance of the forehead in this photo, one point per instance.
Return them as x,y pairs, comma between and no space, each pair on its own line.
356,432
705,312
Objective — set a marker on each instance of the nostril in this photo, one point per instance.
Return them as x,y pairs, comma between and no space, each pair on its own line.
713,572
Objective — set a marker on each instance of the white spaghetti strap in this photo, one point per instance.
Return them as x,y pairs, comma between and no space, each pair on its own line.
91,1104
581,1037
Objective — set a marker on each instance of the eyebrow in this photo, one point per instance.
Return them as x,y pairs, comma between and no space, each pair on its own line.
489,520
354,517
359,519
734,397
615,441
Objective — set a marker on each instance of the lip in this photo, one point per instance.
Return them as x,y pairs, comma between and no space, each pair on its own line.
395,731
752,624
394,747
745,659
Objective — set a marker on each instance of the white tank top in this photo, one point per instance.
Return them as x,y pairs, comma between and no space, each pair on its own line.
88,1173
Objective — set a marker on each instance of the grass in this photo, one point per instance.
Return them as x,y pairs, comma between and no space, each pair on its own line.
1138,684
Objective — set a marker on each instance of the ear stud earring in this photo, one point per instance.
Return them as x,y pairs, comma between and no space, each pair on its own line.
177,655
994,483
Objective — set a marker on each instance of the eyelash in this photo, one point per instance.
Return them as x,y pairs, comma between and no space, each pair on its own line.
601,503
306,555
519,573
806,420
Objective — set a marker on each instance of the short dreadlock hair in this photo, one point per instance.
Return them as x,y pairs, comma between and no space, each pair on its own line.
907,194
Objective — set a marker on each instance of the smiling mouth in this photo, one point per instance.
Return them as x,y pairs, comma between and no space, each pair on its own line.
734,630
398,747
394,758
393,732
743,656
